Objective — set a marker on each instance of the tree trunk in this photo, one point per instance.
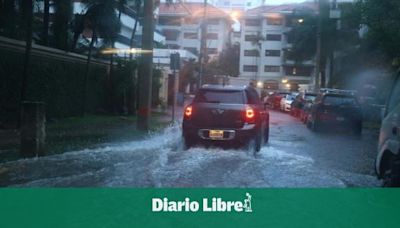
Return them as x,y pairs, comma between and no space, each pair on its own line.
145,69
133,97
133,37
28,8
46,16
87,73
28,47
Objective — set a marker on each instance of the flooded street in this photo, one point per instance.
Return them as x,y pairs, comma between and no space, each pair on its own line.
294,157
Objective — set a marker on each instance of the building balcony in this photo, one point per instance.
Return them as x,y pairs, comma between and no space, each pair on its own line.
289,62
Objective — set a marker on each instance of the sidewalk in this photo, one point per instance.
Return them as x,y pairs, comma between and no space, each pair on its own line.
85,132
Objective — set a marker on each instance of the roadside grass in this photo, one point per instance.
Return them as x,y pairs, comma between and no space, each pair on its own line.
78,133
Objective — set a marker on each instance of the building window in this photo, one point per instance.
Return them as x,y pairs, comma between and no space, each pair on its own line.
192,50
213,21
190,35
274,21
171,34
236,34
212,51
169,21
250,68
250,38
272,69
212,36
252,22
298,71
275,53
191,20
274,37
174,46
251,53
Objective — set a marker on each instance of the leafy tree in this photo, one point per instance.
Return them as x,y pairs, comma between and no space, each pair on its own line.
46,20
62,18
229,60
8,18
101,20
27,16
382,19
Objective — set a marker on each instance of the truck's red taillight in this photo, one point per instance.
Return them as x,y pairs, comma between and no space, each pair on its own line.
188,111
249,114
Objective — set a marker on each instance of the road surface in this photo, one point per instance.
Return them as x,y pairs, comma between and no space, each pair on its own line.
295,157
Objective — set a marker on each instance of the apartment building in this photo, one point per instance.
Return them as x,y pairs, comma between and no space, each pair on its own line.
180,23
265,45
229,5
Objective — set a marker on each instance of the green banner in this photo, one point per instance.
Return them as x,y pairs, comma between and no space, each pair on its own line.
199,208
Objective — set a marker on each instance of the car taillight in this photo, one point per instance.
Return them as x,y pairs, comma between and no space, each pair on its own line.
249,115
188,111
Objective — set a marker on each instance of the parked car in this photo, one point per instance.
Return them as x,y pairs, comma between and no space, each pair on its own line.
226,115
335,108
274,100
387,164
286,102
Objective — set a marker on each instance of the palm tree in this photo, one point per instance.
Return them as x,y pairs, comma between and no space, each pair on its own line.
27,16
121,6
8,18
100,20
46,17
62,17
138,6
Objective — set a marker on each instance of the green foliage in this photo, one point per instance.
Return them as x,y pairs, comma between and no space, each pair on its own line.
382,19
102,18
60,28
60,84
303,37
229,60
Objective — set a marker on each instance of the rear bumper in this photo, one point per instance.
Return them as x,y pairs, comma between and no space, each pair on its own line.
336,123
231,135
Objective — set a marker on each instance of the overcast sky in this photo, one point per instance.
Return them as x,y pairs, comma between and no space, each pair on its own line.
274,2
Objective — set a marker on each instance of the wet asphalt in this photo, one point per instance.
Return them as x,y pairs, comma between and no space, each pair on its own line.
294,157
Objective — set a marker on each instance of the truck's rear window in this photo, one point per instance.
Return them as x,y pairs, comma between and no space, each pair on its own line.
216,96
339,100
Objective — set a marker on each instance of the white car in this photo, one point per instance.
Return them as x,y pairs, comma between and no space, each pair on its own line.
286,102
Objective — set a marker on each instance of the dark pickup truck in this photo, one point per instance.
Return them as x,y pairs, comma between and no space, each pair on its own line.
226,115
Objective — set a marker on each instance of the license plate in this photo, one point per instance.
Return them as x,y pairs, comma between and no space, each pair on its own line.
340,118
216,134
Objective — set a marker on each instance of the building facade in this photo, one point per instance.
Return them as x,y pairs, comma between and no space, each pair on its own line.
265,45
180,23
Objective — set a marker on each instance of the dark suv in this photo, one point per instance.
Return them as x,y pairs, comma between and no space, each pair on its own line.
388,159
228,115
334,108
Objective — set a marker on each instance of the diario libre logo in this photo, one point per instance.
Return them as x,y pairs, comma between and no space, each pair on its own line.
207,205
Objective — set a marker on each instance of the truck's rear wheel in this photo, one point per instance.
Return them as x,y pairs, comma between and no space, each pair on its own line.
187,143
392,174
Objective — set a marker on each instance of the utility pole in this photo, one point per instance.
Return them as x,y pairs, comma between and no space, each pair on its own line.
146,68
318,54
175,65
334,14
203,44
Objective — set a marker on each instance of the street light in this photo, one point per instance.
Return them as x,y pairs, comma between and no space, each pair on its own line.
235,16
284,81
301,20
